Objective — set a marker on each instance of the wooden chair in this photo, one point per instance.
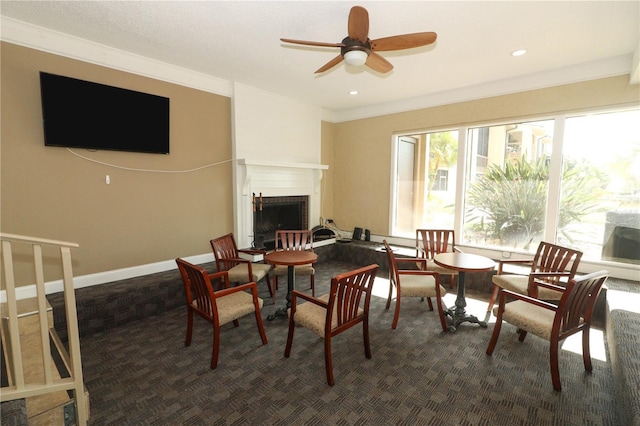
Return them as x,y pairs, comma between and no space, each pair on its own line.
430,242
552,264
413,283
218,307
296,241
240,270
551,322
346,305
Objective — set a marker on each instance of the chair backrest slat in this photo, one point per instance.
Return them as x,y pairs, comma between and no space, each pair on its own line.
296,240
350,292
224,248
576,306
554,258
198,288
393,265
430,242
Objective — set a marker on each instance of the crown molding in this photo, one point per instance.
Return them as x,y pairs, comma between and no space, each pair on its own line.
39,38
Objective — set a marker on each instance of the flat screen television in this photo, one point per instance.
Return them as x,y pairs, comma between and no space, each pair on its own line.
83,114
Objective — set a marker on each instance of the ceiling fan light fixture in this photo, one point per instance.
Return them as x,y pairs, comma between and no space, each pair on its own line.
356,58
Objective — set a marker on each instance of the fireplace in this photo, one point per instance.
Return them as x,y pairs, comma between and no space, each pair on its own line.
273,213
284,187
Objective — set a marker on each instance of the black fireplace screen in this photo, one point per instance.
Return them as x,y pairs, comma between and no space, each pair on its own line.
273,213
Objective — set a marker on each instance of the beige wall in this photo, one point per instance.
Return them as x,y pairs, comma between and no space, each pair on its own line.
141,217
362,148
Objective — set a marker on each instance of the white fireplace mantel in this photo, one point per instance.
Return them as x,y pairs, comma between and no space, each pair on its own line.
274,178
247,162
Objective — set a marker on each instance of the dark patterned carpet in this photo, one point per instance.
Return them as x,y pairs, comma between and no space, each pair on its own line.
141,374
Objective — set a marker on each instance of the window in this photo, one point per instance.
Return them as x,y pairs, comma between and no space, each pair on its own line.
600,206
424,184
572,180
506,185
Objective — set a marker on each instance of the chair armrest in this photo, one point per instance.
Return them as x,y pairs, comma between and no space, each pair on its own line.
525,298
242,287
223,276
216,275
308,298
503,262
235,260
252,251
550,274
294,302
419,272
535,281
412,260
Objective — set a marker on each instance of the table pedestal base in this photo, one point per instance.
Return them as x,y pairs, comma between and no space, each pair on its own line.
458,318
279,313
458,315
283,312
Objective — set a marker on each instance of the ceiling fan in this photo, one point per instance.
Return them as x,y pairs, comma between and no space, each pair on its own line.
357,49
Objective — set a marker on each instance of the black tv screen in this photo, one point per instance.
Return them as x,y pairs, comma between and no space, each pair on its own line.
83,114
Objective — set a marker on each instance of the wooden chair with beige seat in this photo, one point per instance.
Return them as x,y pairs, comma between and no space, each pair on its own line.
346,305
240,270
296,241
550,322
218,307
552,264
430,242
413,283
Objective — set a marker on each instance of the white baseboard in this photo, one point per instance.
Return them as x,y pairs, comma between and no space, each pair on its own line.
29,291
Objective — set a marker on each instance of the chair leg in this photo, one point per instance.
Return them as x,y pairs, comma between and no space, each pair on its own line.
586,351
216,347
397,312
495,335
390,295
292,326
443,321
521,335
494,297
187,340
272,289
263,336
430,304
328,361
365,333
553,360
313,285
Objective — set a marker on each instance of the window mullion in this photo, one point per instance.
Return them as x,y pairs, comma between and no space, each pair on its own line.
458,218
555,181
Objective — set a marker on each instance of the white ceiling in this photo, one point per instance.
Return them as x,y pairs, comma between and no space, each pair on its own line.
239,41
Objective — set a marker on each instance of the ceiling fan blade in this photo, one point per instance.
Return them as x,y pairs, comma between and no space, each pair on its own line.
359,24
378,63
332,63
312,43
405,41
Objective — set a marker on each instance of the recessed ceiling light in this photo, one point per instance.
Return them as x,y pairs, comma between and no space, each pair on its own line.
353,92
519,52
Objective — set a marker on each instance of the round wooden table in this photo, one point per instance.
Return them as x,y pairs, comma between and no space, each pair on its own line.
463,263
290,258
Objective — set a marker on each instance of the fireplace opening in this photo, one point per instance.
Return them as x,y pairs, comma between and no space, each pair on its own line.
273,213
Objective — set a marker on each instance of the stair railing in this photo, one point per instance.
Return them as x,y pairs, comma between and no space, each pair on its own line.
13,352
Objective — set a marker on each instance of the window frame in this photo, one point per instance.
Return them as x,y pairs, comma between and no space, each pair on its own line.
617,269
